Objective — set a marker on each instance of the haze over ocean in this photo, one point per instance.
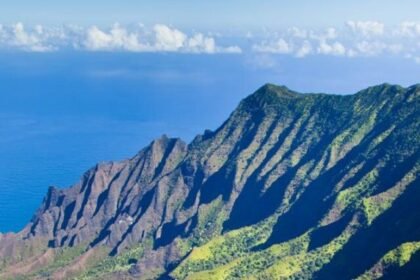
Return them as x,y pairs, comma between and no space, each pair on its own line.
61,113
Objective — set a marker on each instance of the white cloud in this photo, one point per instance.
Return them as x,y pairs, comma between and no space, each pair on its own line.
168,39
335,48
409,28
366,28
163,39
301,42
30,41
305,49
117,38
280,46
375,48
331,33
171,39
160,38
199,43
354,39
96,39
298,32
35,39
370,48
327,34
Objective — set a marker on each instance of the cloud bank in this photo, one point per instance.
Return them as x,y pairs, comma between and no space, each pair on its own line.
160,38
352,39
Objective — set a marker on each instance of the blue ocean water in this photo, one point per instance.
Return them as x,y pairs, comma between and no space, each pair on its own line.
61,113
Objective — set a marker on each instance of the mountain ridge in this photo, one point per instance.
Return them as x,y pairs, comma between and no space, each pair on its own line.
184,209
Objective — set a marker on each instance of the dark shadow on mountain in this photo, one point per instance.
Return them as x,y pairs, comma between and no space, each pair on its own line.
168,150
324,235
143,206
68,211
172,230
85,198
243,215
395,226
104,195
220,183
312,206
196,176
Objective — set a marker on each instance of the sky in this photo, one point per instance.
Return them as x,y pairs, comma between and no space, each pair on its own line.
210,14
294,28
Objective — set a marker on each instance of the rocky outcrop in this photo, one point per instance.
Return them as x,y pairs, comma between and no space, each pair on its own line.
114,203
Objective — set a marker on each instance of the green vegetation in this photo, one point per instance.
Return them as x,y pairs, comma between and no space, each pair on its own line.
396,257
373,206
121,262
401,255
62,257
211,217
221,258
223,249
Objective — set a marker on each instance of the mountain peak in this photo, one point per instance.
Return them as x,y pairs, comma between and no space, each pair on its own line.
275,91
269,95
381,88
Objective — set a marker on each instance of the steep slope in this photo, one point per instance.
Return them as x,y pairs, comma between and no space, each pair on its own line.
290,186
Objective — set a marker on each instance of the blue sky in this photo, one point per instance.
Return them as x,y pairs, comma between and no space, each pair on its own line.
210,14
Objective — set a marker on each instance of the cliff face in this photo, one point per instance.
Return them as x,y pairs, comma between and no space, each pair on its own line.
292,185
114,203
